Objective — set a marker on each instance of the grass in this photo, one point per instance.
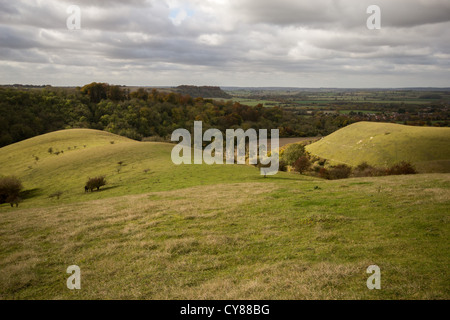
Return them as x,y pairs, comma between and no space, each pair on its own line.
217,232
273,241
20,156
384,144
146,167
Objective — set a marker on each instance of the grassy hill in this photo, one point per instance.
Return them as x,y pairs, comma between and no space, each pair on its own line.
383,144
146,166
218,232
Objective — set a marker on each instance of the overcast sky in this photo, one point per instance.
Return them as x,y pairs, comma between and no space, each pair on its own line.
295,43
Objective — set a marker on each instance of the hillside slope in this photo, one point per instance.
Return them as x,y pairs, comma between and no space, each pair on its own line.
273,239
383,144
144,167
212,232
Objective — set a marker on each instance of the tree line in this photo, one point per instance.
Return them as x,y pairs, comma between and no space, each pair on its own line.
142,113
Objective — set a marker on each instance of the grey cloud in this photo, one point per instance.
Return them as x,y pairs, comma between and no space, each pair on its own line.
342,13
251,42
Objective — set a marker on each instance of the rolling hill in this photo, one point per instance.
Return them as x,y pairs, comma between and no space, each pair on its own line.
146,166
384,144
160,231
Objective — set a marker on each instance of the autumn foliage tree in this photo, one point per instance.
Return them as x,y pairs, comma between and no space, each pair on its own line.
95,91
302,164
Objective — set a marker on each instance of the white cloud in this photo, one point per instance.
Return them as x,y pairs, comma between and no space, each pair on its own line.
211,39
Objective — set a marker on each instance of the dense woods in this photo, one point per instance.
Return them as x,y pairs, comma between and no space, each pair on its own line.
143,113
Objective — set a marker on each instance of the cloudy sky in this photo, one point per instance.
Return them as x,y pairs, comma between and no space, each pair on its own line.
295,43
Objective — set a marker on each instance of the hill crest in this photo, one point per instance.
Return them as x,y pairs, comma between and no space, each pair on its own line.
384,144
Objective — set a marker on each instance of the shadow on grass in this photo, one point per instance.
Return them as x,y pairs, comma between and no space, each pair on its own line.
103,189
31,193
276,177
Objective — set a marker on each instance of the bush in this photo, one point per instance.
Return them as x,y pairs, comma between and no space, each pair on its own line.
95,183
401,168
302,164
363,166
323,173
341,171
282,166
292,153
10,188
366,170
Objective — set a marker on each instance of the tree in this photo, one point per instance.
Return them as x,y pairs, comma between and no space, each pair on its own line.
292,153
10,188
302,164
95,183
115,93
96,91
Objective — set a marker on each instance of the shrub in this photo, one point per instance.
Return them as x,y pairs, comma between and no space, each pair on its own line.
401,168
95,183
363,166
323,173
282,165
366,170
292,153
341,171
302,164
10,188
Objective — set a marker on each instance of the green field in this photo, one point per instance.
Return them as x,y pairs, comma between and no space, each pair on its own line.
358,111
252,102
384,144
69,171
379,100
213,232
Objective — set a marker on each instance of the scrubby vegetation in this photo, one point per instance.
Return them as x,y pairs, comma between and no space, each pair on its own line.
292,153
385,145
302,164
95,183
401,168
306,163
10,188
